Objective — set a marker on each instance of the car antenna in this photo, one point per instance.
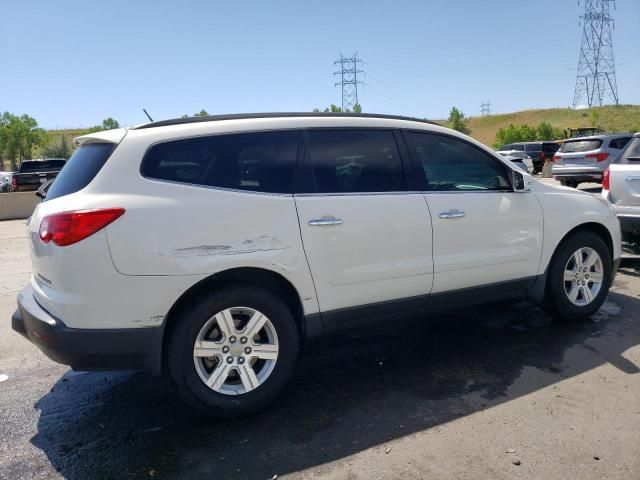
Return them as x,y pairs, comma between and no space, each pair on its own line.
147,114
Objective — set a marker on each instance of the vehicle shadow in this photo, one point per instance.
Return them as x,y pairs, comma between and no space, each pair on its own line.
353,392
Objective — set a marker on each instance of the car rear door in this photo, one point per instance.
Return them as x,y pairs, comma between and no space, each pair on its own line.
484,233
624,179
366,237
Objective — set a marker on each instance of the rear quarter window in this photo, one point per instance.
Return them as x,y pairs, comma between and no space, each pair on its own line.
619,143
80,169
259,162
576,146
631,155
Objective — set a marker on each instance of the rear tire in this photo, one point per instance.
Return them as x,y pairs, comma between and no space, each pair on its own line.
232,351
579,277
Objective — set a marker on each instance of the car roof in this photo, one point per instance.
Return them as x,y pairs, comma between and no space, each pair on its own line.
599,137
245,116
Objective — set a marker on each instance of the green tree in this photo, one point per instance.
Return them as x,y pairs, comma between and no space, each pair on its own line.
594,116
357,108
58,148
201,113
544,131
107,124
457,121
19,135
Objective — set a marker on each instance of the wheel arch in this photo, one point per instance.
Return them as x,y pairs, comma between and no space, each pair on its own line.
261,277
537,291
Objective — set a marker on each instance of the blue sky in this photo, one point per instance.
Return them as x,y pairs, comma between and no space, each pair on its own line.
73,63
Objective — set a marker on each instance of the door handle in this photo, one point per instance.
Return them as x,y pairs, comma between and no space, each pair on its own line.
453,213
325,221
633,177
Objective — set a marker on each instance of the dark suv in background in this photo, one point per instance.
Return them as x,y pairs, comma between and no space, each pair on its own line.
538,151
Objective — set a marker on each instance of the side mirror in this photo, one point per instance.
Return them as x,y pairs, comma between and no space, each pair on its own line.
519,182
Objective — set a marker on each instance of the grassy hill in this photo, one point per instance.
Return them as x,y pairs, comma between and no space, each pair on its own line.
620,118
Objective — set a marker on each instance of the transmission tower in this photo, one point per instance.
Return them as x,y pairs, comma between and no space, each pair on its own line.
596,77
348,75
485,108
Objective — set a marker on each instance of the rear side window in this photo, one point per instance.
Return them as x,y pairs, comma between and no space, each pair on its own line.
550,147
450,164
520,148
619,143
259,162
576,146
344,161
80,169
631,154
533,147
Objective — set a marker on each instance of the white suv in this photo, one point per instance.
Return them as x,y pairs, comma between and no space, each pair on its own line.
213,247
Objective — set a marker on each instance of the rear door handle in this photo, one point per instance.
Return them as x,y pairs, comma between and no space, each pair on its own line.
453,213
325,221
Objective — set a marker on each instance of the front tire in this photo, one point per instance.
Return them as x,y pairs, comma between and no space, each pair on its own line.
232,351
579,277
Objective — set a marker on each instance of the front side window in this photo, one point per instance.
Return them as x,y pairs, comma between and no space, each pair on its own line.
260,162
345,161
450,164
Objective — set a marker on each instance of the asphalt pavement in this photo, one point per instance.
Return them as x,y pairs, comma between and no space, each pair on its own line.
493,392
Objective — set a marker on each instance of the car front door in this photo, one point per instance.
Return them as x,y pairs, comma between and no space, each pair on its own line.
366,237
483,232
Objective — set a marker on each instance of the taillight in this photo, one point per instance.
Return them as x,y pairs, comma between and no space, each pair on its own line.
600,157
606,175
541,155
556,158
70,227
14,183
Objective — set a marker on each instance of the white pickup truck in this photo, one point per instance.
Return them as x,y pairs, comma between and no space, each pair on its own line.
621,186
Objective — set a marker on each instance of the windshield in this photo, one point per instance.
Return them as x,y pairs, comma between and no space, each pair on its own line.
575,146
41,166
81,168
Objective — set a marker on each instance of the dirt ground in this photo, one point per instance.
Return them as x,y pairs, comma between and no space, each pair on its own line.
494,392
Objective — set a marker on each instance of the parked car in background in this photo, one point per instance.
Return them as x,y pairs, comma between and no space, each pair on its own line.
33,173
621,186
585,159
538,151
213,247
5,181
521,159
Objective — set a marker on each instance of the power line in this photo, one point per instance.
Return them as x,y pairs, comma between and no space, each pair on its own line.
485,108
348,75
596,77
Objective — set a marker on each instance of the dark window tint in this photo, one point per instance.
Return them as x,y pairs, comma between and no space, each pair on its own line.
453,165
520,148
550,147
41,166
619,143
80,169
576,146
260,162
355,161
631,154
533,147
506,148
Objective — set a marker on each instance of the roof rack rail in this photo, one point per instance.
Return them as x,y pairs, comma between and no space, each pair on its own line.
242,116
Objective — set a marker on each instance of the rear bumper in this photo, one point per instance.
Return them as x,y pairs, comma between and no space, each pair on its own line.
87,349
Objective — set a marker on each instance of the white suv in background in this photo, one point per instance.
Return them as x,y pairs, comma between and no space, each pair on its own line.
213,247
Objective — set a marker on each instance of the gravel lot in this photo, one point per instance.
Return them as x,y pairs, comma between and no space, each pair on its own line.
493,392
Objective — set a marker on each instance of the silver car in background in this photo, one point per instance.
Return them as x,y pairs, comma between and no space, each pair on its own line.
584,159
621,186
521,159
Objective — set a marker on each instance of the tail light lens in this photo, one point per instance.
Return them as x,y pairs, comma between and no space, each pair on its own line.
600,157
541,155
14,183
556,158
606,179
70,227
